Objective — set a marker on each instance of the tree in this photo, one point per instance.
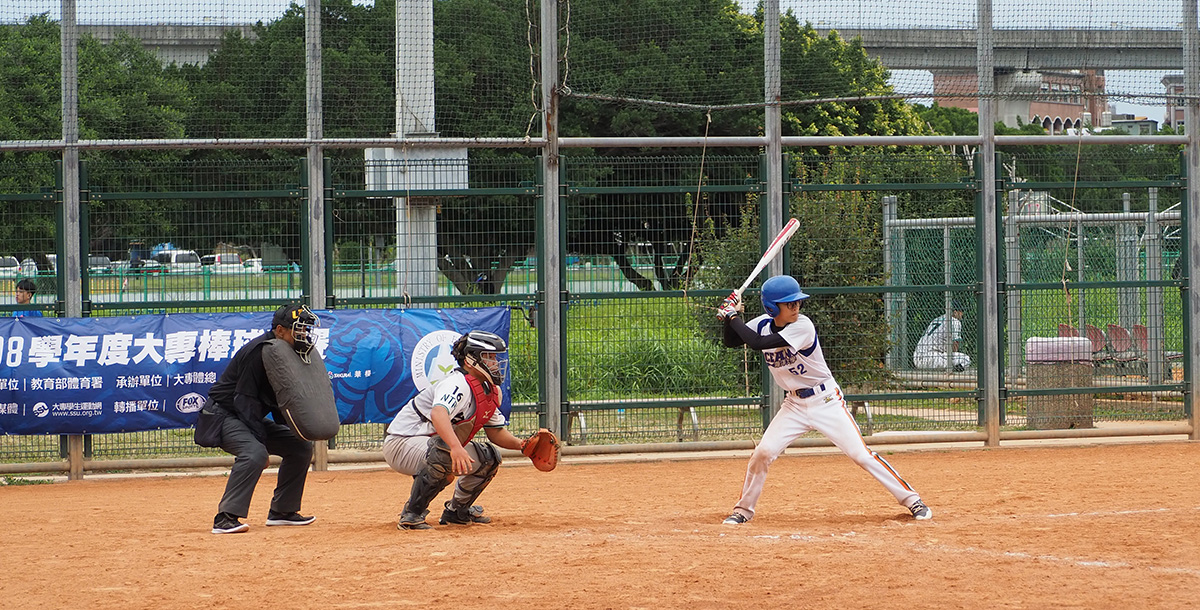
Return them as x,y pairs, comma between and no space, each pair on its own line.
948,120
123,93
854,330
698,51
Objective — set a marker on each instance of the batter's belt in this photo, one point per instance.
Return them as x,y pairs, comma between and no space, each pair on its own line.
807,392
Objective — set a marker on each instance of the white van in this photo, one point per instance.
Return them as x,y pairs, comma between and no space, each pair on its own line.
227,262
10,267
178,261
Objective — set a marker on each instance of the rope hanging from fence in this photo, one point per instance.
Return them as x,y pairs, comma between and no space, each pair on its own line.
696,207
1079,237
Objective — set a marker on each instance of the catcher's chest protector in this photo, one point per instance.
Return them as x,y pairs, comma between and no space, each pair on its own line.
485,405
303,390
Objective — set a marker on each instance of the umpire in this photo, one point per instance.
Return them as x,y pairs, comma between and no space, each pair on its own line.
244,396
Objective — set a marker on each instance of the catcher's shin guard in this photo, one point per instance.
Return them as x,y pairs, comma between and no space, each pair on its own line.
427,484
470,486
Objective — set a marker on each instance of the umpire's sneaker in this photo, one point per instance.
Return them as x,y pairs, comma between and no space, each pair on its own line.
920,512
292,518
463,516
225,523
735,519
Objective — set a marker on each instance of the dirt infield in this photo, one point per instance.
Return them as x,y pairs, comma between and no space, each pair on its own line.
1096,526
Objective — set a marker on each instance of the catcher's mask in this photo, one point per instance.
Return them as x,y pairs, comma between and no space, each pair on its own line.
780,289
484,351
301,321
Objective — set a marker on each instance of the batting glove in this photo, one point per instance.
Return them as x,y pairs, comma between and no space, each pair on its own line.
728,308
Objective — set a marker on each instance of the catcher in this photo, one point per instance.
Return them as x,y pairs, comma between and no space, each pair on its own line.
430,438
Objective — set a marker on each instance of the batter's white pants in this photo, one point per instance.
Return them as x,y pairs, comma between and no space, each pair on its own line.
826,413
937,360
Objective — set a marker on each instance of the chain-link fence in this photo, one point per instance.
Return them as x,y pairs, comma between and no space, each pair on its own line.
609,171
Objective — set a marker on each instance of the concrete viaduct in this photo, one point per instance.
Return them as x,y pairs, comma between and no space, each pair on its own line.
180,44
898,49
1057,49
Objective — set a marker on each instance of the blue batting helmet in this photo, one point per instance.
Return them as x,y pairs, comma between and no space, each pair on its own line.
780,289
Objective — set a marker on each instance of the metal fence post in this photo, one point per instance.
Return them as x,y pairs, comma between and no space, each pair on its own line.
551,322
68,264
69,259
898,352
989,306
776,209
1129,300
327,222
1191,247
1154,294
1012,269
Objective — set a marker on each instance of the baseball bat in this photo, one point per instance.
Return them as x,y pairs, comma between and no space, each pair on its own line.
772,251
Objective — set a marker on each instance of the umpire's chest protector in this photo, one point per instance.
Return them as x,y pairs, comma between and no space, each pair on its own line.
303,391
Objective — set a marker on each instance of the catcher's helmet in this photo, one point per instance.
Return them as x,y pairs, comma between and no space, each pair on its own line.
485,351
780,289
301,321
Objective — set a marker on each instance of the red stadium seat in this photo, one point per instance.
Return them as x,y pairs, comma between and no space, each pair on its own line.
1121,343
1141,342
1099,344
1066,330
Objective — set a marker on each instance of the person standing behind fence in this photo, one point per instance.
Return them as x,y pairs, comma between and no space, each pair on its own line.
245,397
25,289
941,339
813,399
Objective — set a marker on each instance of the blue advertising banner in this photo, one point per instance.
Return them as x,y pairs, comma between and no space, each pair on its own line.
125,374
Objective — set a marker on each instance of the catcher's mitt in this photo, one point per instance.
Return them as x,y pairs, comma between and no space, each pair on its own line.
542,449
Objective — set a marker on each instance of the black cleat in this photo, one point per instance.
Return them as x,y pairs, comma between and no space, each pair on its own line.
419,525
735,519
463,516
411,521
920,512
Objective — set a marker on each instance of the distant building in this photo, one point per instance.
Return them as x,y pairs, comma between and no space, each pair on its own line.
1056,100
177,44
1134,125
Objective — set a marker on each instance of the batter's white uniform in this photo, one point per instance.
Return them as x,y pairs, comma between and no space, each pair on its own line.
814,402
939,340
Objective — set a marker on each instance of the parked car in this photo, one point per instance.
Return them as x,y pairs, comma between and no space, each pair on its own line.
10,267
99,265
29,267
147,265
227,262
253,265
178,261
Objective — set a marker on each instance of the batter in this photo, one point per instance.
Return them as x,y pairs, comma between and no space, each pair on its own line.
814,401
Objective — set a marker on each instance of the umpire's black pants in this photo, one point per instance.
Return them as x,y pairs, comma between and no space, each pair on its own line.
251,458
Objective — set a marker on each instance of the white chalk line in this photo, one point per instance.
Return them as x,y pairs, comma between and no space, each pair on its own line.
1111,513
1075,561
854,537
